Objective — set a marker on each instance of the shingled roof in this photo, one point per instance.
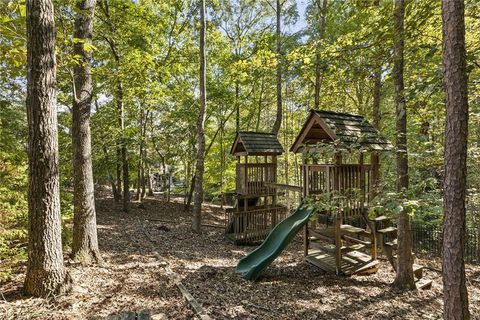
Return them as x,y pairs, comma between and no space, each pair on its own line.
352,131
256,143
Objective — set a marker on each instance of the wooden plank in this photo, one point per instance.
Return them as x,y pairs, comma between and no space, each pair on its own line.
388,230
424,284
188,297
351,229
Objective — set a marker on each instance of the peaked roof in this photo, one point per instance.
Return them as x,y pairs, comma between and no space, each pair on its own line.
352,131
256,143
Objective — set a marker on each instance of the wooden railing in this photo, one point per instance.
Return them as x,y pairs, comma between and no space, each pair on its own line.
253,225
349,183
252,178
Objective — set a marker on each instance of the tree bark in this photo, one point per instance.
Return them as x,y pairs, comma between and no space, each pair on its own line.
455,296
118,171
278,119
122,153
200,164
46,274
149,182
115,191
375,159
237,106
85,242
140,175
404,279
322,10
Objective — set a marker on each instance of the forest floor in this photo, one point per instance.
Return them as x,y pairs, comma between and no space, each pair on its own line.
137,246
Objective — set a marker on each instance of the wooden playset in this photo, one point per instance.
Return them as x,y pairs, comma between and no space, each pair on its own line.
342,238
256,210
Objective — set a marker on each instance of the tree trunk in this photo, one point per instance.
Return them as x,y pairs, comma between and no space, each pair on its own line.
139,173
200,165
375,159
46,274
260,104
85,243
123,150
455,296
404,279
140,160
237,106
118,165
278,119
115,191
322,10
149,182
144,182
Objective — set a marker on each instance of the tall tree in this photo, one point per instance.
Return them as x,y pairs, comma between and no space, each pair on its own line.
122,151
322,12
46,273
200,164
278,51
404,278
455,296
85,243
377,87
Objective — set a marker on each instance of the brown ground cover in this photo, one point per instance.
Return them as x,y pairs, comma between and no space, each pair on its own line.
137,247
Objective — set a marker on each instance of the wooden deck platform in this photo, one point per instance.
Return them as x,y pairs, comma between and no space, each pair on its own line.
353,262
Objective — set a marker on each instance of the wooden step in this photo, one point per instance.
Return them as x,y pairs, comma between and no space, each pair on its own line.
351,229
388,230
368,268
331,247
381,219
356,240
392,243
316,235
423,284
418,271
359,256
349,266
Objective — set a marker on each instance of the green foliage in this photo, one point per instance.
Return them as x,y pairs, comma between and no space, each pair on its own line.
153,56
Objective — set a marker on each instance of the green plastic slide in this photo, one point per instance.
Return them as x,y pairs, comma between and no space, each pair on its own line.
252,265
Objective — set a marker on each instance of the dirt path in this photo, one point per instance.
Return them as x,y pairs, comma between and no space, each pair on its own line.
137,245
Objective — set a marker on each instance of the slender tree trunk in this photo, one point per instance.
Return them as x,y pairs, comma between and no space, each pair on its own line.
200,165
455,296
375,159
149,181
124,152
278,119
85,243
404,279
322,10
377,117
144,182
115,191
139,175
46,274
118,165
237,106
140,164
260,104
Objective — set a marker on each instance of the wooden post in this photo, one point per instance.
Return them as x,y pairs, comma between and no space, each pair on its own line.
305,194
274,161
364,211
375,175
245,187
338,220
